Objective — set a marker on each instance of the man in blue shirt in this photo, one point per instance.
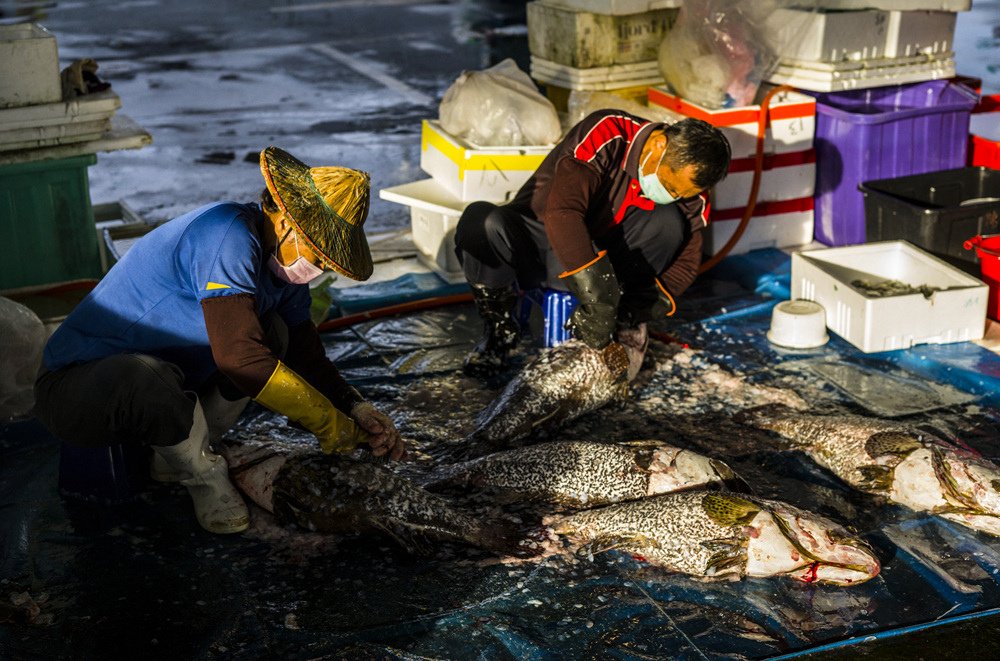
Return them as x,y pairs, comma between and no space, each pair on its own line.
207,311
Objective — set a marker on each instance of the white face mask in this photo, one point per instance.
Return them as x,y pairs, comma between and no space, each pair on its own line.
651,185
299,272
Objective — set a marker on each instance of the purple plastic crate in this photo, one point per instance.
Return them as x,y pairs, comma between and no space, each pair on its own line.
881,133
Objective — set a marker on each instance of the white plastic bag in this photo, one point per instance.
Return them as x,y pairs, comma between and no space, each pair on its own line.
499,106
22,338
717,53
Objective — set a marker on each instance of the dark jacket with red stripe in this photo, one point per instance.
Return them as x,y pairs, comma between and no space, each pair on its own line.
589,180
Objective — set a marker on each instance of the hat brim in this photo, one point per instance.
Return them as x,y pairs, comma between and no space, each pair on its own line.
340,245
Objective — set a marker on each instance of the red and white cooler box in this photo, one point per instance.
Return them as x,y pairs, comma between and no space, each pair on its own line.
783,213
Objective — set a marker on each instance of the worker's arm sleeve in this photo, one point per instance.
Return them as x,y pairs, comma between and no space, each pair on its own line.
307,356
237,341
565,216
679,275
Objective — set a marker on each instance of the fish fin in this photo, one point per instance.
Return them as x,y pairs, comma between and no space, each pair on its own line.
611,541
891,442
875,478
409,539
995,484
729,477
952,491
727,509
727,554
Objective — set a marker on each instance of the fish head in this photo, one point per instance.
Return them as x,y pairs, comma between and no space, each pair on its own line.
673,469
635,340
784,540
972,486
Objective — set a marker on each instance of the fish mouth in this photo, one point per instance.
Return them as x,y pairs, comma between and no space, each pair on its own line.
837,573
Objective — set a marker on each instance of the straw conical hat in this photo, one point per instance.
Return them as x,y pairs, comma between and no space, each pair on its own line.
328,207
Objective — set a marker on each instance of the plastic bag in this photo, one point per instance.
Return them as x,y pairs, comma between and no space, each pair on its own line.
22,338
716,54
499,106
581,103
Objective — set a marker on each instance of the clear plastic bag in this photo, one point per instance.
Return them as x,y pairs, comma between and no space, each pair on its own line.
717,53
582,103
499,106
22,338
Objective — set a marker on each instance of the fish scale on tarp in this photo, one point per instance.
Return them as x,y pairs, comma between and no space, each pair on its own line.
91,582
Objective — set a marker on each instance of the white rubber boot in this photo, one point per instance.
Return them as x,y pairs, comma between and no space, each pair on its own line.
220,414
217,504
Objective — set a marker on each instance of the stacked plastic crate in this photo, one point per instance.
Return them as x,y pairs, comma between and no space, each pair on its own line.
783,212
598,45
880,71
46,224
460,173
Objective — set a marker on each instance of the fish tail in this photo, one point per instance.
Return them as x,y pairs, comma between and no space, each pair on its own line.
506,537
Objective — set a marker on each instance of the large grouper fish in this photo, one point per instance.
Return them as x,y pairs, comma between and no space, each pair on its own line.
558,385
340,494
893,460
582,474
716,535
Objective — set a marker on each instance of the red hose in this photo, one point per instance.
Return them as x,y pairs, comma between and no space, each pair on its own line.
755,187
393,310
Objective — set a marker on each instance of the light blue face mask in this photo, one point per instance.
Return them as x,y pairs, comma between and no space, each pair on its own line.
650,183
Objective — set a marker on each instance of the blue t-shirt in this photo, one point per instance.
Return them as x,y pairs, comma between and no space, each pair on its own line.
150,301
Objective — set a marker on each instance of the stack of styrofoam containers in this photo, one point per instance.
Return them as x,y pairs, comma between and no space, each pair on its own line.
461,173
598,45
835,45
783,213
32,112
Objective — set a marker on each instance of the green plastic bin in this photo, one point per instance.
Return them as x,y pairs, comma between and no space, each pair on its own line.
46,223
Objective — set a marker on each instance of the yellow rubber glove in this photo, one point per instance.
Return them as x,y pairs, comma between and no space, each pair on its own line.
289,394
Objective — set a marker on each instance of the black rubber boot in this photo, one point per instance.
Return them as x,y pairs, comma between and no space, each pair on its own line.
500,330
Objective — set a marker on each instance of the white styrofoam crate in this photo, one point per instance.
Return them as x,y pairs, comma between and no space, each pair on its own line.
791,128
434,215
957,313
616,7
585,39
830,77
596,78
87,108
783,177
886,5
29,66
778,224
919,32
59,134
827,36
471,172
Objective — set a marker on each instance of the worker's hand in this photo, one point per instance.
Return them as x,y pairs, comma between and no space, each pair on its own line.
595,287
384,437
645,305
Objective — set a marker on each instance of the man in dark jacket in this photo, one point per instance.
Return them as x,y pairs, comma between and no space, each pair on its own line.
613,214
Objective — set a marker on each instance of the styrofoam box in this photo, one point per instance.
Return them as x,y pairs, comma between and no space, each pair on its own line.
584,39
779,224
791,128
616,7
919,32
784,177
471,172
888,5
434,215
865,74
29,66
955,314
827,36
596,78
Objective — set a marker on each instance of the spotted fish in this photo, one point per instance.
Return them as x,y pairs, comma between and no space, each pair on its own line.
890,459
716,534
340,494
557,386
580,474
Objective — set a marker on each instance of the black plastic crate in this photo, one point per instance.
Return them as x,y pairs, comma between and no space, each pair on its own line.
936,211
